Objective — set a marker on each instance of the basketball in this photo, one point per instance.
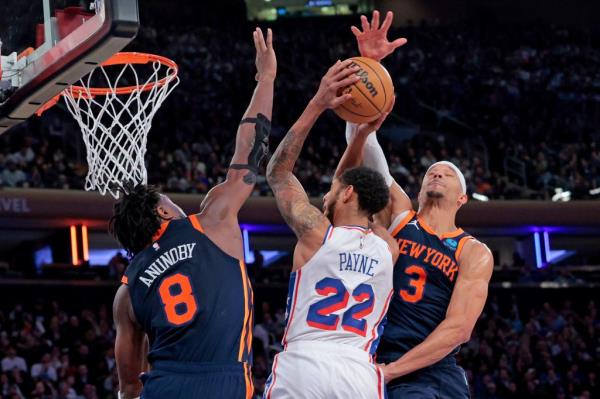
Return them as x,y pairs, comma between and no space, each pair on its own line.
371,95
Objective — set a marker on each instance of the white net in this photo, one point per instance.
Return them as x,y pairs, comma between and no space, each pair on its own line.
115,120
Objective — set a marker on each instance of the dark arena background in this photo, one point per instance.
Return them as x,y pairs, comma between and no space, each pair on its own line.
508,90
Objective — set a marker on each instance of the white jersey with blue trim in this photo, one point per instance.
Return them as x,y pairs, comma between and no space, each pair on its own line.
342,293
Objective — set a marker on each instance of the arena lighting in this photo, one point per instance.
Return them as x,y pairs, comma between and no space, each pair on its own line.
545,255
538,251
480,197
595,191
74,256
266,228
85,243
248,255
561,195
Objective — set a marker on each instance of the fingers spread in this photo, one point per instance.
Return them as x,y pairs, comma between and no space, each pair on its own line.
261,40
356,31
365,23
375,20
399,42
387,22
269,38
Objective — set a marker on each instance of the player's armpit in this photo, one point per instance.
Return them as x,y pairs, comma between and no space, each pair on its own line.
129,345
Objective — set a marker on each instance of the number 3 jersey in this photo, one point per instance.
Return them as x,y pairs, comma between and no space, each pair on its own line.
192,299
342,293
424,278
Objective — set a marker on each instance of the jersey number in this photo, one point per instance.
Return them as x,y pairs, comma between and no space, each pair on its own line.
320,313
417,284
176,295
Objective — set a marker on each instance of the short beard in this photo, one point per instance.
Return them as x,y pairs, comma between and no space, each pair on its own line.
434,195
330,212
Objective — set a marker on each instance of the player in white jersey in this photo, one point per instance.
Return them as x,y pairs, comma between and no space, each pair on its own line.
341,281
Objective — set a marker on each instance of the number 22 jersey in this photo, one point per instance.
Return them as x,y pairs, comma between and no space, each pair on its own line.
342,293
424,278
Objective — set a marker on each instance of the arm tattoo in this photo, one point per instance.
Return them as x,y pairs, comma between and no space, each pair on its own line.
292,200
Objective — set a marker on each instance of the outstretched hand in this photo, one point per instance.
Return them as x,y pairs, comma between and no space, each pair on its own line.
372,40
266,62
337,77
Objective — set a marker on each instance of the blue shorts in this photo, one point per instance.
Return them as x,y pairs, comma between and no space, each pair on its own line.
177,380
443,380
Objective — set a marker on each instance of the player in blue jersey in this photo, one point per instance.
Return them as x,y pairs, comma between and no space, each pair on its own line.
441,277
186,287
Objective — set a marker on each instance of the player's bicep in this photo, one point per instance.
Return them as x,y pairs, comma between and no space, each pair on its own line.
304,219
471,288
399,200
129,342
226,199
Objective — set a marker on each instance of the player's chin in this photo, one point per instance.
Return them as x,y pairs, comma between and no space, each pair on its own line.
435,194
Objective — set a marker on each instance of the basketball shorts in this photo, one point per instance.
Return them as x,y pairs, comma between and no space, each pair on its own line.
179,380
443,380
318,370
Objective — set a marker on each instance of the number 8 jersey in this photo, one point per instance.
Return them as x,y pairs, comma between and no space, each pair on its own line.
192,299
342,293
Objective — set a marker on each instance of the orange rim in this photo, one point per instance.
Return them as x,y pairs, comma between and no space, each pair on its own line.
120,59
130,58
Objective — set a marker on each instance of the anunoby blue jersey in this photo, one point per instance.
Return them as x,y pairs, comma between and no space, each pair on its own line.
424,278
193,300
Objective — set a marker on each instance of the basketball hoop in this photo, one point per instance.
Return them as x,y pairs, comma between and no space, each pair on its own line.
114,109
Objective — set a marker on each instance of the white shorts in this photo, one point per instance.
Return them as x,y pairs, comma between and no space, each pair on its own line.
323,370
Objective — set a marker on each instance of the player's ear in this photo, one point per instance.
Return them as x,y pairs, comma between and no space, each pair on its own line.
163,212
463,199
347,193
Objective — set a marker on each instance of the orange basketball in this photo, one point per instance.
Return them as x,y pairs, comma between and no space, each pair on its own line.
371,95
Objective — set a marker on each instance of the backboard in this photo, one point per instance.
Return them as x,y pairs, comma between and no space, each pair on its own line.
48,45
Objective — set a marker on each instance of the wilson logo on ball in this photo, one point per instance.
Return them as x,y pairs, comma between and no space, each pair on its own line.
372,95
364,78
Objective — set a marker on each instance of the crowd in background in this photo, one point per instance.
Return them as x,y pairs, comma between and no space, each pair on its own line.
51,351
517,108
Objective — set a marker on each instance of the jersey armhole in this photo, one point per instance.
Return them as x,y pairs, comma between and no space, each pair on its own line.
328,234
461,245
400,221
195,221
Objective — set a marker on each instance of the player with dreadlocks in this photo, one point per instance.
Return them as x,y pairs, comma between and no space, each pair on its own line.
186,287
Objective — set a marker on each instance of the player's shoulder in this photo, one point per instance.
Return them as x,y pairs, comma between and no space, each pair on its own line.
475,250
400,220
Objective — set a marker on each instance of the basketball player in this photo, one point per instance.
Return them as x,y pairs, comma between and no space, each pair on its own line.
442,275
341,280
186,286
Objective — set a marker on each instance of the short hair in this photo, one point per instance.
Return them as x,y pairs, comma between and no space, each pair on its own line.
135,218
370,186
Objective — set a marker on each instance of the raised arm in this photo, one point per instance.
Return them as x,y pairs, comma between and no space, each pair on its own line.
363,146
251,144
466,305
308,223
130,346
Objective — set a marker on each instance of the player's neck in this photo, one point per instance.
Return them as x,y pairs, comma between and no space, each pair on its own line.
349,219
441,220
